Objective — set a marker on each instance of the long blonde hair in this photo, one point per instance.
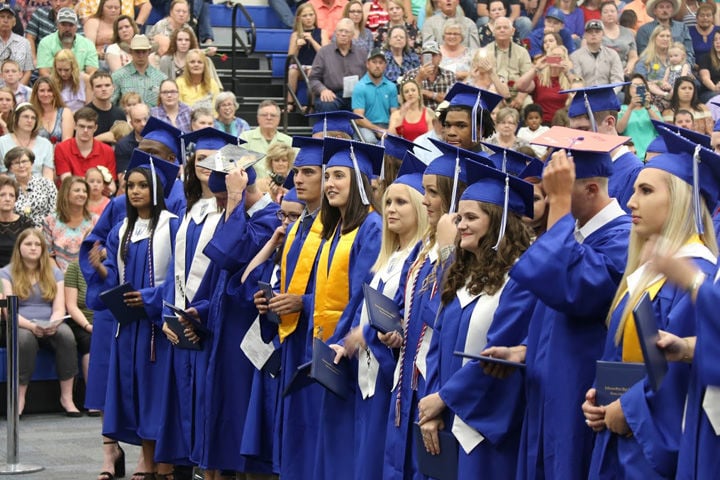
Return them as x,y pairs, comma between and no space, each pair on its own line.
564,80
679,227
650,55
21,278
66,55
207,77
390,241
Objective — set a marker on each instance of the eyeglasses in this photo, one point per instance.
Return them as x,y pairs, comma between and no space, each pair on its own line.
268,115
17,163
453,34
355,11
169,92
290,216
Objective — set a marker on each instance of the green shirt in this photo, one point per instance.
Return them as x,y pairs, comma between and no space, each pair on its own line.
257,143
74,279
84,51
128,79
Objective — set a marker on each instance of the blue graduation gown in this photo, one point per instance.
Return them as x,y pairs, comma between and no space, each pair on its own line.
699,446
114,213
335,453
227,383
132,406
622,181
420,310
653,417
575,284
493,407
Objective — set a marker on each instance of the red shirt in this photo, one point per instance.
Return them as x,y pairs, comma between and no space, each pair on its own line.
69,160
549,99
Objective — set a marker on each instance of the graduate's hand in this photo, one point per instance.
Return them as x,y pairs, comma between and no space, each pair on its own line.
354,341
236,180
615,419
594,415
676,349
430,407
189,331
559,175
446,232
133,299
512,354
278,235
391,339
261,303
339,352
680,271
430,431
285,303
96,256
170,334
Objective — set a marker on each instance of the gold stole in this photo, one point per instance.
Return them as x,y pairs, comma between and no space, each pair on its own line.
332,287
301,274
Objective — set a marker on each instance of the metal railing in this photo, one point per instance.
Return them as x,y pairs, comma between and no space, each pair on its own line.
290,60
240,44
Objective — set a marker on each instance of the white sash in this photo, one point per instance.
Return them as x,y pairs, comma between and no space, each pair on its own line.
711,405
187,287
162,242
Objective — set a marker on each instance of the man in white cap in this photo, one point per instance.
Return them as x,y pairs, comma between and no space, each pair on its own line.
66,37
138,75
663,11
434,80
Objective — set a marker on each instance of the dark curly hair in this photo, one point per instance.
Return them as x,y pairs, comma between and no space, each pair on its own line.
487,274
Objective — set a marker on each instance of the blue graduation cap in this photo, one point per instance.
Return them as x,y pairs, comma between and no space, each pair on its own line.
657,145
451,164
310,154
338,120
216,181
507,159
411,172
499,188
692,135
166,134
289,180
397,146
291,196
463,95
716,127
598,98
211,139
694,164
362,158
532,170
160,170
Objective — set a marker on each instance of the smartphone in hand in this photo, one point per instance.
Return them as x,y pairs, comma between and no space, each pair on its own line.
426,58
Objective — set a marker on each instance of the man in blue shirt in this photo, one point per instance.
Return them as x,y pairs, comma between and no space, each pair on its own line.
374,97
663,11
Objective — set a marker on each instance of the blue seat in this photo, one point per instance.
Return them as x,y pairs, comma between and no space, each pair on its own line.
272,40
44,366
263,16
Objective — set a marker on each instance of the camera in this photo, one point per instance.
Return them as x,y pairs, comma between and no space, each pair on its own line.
277,179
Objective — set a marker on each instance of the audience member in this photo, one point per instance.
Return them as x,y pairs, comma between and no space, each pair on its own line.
413,118
506,125
98,179
684,119
173,63
636,115
685,97
703,32
554,23
160,33
496,9
709,66
202,117
329,13
11,78
24,132
74,85
37,195
7,107
82,317
376,16
653,62
432,29
117,54
511,60
662,11
305,41
139,115
362,36
374,98
434,80
99,28
66,36
108,113
546,80
637,11
618,38
226,121
398,18
11,222
533,115
17,47
483,74
278,162
56,120
591,10
511,9
456,57
259,139
170,109
594,62
87,8
138,76
197,86
42,23
398,54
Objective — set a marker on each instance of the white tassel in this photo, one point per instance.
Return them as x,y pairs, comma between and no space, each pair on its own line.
503,222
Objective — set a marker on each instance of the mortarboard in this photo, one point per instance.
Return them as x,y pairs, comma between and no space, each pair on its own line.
514,162
691,135
590,150
289,180
462,95
397,146
657,145
230,157
533,169
588,100
166,134
211,139
310,154
411,172
338,120
216,181
362,158
161,170
291,196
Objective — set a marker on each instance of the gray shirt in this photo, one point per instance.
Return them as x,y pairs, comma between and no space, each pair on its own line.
33,307
601,70
330,67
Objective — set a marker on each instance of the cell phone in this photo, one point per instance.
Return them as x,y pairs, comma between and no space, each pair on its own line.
553,60
641,92
426,58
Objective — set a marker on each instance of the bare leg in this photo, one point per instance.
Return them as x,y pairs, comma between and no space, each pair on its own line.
85,366
148,453
22,391
111,454
293,75
66,395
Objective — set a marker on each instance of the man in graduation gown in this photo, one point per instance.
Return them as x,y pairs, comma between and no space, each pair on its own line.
596,109
574,270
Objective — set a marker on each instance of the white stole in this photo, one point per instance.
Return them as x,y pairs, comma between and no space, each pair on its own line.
368,365
203,212
475,341
162,242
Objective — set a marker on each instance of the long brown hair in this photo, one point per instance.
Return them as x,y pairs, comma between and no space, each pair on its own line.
63,202
173,39
21,278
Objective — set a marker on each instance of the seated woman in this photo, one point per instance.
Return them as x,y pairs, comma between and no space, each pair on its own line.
710,70
654,61
636,113
496,9
56,120
456,57
618,38
100,27
74,85
25,128
278,162
398,18
169,107
196,85
117,54
362,37
685,97
506,125
305,41
11,222
39,288
226,105
398,54
483,74
549,76
65,229
159,34
7,105
413,118
81,326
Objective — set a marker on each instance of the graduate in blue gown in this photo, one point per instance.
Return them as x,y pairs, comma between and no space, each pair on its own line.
595,108
573,269
404,224
185,368
352,230
639,434
249,222
490,240
137,253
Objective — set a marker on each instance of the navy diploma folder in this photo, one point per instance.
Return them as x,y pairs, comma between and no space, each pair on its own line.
443,466
383,314
196,325
483,358
179,329
115,301
334,377
612,379
646,324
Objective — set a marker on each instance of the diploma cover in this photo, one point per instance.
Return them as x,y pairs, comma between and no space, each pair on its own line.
383,314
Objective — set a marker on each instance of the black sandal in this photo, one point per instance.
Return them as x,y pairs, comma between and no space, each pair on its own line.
119,465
